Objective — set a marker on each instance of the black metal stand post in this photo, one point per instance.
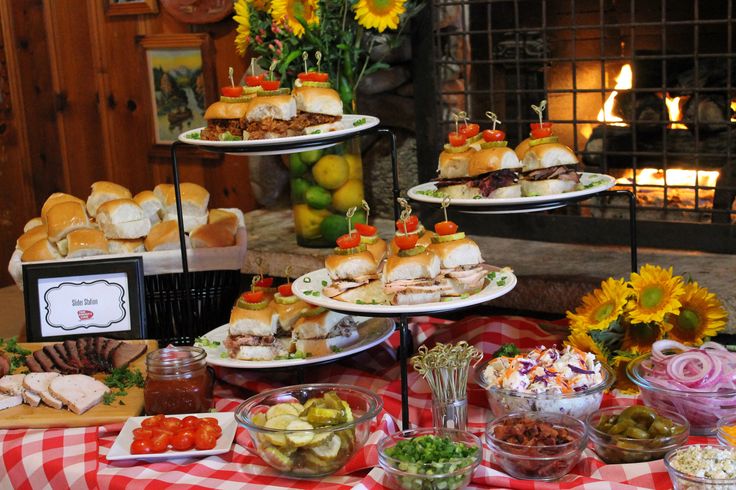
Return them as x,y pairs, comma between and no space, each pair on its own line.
182,243
405,343
632,223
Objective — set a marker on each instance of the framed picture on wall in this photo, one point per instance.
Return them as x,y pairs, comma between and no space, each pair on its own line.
181,80
131,7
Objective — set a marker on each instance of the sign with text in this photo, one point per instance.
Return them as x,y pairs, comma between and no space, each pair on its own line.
90,297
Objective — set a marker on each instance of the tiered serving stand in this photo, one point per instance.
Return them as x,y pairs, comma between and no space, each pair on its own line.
402,313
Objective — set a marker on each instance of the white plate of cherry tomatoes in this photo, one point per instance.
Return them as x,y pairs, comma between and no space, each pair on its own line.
174,436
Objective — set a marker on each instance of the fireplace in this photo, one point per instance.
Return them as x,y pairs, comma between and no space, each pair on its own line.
641,90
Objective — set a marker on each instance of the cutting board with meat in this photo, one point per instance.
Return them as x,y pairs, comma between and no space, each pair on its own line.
61,384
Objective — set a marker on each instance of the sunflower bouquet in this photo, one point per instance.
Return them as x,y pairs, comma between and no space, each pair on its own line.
344,32
622,319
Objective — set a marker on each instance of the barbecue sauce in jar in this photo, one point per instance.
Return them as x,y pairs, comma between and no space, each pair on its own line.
178,381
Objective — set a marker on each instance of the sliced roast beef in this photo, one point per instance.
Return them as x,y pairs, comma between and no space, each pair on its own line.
110,347
562,172
46,363
67,356
59,361
72,354
127,353
486,183
100,343
88,367
33,364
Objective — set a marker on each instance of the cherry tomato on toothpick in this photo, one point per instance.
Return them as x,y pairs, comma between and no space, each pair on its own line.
405,242
230,91
456,139
285,290
469,130
445,228
349,240
365,230
254,80
491,135
270,84
253,296
412,223
265,282
541,130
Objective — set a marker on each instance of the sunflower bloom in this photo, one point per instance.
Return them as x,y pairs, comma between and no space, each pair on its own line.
585,343
657,294
639,337
601,307
701,315
242,17
379,14
289,12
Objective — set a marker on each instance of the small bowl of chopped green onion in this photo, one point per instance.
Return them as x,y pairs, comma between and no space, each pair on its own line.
424,459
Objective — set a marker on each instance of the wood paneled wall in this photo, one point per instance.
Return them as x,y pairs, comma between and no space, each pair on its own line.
80,109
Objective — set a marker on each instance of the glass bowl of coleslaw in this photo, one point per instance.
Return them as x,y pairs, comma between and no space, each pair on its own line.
565,381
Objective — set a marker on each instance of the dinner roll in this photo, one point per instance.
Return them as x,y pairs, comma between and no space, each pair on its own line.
41,250
191,221
64,218
164,236
123,218
86,243
151,205
32,223
104,191
194,199
57,198
30,237
212,235
224,218
126,246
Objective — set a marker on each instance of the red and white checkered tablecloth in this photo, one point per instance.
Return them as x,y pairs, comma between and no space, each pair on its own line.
75,458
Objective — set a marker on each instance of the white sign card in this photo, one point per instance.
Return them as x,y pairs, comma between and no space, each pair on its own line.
97,304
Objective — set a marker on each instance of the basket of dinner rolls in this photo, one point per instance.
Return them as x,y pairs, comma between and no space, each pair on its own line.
113,221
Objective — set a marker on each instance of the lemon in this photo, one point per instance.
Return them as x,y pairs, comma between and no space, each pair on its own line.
348,195
331,171
298,190
311,156
307,220
355,166
317,197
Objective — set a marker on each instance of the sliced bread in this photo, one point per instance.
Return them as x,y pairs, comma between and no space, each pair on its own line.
39,384
78,391
12,384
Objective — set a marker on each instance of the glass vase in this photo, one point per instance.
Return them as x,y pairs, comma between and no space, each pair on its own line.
324,185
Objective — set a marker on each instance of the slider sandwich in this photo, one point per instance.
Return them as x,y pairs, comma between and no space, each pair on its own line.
252,330
411,226
288,309
319,110
319,332
269,117
224,116
461,264
350,266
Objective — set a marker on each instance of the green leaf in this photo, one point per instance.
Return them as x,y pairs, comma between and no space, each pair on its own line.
375,67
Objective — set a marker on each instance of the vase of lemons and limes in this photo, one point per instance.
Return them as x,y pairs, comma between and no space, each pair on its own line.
324,185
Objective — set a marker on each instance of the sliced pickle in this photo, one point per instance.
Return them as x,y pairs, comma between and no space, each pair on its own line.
456,149
252,306
303,436
368,240
315,463
234,100
474,139
281,422
251,90
412,251
348,411
448,238
332,400
542,141
323,416
320,437
282,409
350,251
267,93
314,311
307,83
285,300
259,419
309,403
328,449
277,458
494,144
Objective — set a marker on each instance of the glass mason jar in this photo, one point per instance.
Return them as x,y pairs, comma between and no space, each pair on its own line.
324,185
178,381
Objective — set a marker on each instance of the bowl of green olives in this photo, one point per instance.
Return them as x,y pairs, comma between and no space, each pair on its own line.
635,434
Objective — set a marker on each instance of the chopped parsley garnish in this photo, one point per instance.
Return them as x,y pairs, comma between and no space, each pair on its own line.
16,354
119,380
335,349
592,183
318,131
501,282
194,136
432,193
359,122
506,350
324,283
491,276
227,136
205,342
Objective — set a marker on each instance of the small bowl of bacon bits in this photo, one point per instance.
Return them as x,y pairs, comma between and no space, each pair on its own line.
435,458
536,445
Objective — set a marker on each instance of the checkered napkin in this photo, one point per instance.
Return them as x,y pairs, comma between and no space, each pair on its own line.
75,458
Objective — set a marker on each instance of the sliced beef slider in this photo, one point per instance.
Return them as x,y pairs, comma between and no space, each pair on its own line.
487,173
549,168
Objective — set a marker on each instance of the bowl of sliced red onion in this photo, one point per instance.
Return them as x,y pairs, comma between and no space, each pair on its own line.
699,383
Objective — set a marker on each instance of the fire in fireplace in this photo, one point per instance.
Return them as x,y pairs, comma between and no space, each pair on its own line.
643,91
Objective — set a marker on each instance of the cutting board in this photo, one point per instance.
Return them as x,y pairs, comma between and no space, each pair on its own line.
25,416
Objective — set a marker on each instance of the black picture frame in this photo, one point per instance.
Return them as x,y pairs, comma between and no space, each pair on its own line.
132,267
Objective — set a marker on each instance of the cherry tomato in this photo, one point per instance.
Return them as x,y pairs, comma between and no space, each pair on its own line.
469,130
365,230
171,423
305,76
412,223
190,422
141,446
209,420
320,76
456,139
253,296
270,84
152,422
266,282
445,228
405,242
213,428
204,439
490,135
349,240
160,442
183,440
285,290
229,91
254,80
142,433
541,130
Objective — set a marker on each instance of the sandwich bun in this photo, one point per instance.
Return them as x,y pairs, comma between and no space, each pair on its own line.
531,188
465,191
261,352
212,235
57,198
64,218
259,323
164,236
350,266
454,165
194,200
226,110
325,347
491,160
417,297
86,243
316,326
318,100
377,249
370,293
104,191
32,223
123,219
288,314
325,128
281,107
522,148
151,205
548,155
30,237
420,266
41,250
457,253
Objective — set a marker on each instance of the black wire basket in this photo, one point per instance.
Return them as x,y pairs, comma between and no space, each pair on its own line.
213,294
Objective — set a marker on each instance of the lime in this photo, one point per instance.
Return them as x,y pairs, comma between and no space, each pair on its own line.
359,217
355,166
297,167
348,195
331,171
307,220
298,190
311,156
318,198
333,226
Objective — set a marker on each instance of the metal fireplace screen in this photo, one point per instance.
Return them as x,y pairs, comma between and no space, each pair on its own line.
641,89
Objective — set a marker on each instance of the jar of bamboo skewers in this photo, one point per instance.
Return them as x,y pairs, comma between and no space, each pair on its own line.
445,367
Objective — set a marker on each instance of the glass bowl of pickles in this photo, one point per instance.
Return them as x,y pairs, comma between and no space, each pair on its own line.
309,430
636,434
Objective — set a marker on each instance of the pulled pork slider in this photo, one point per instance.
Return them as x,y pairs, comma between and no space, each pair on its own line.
549,168
252,330
269,117
321,332
413,279
489,173
223,121
461,264
319,110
